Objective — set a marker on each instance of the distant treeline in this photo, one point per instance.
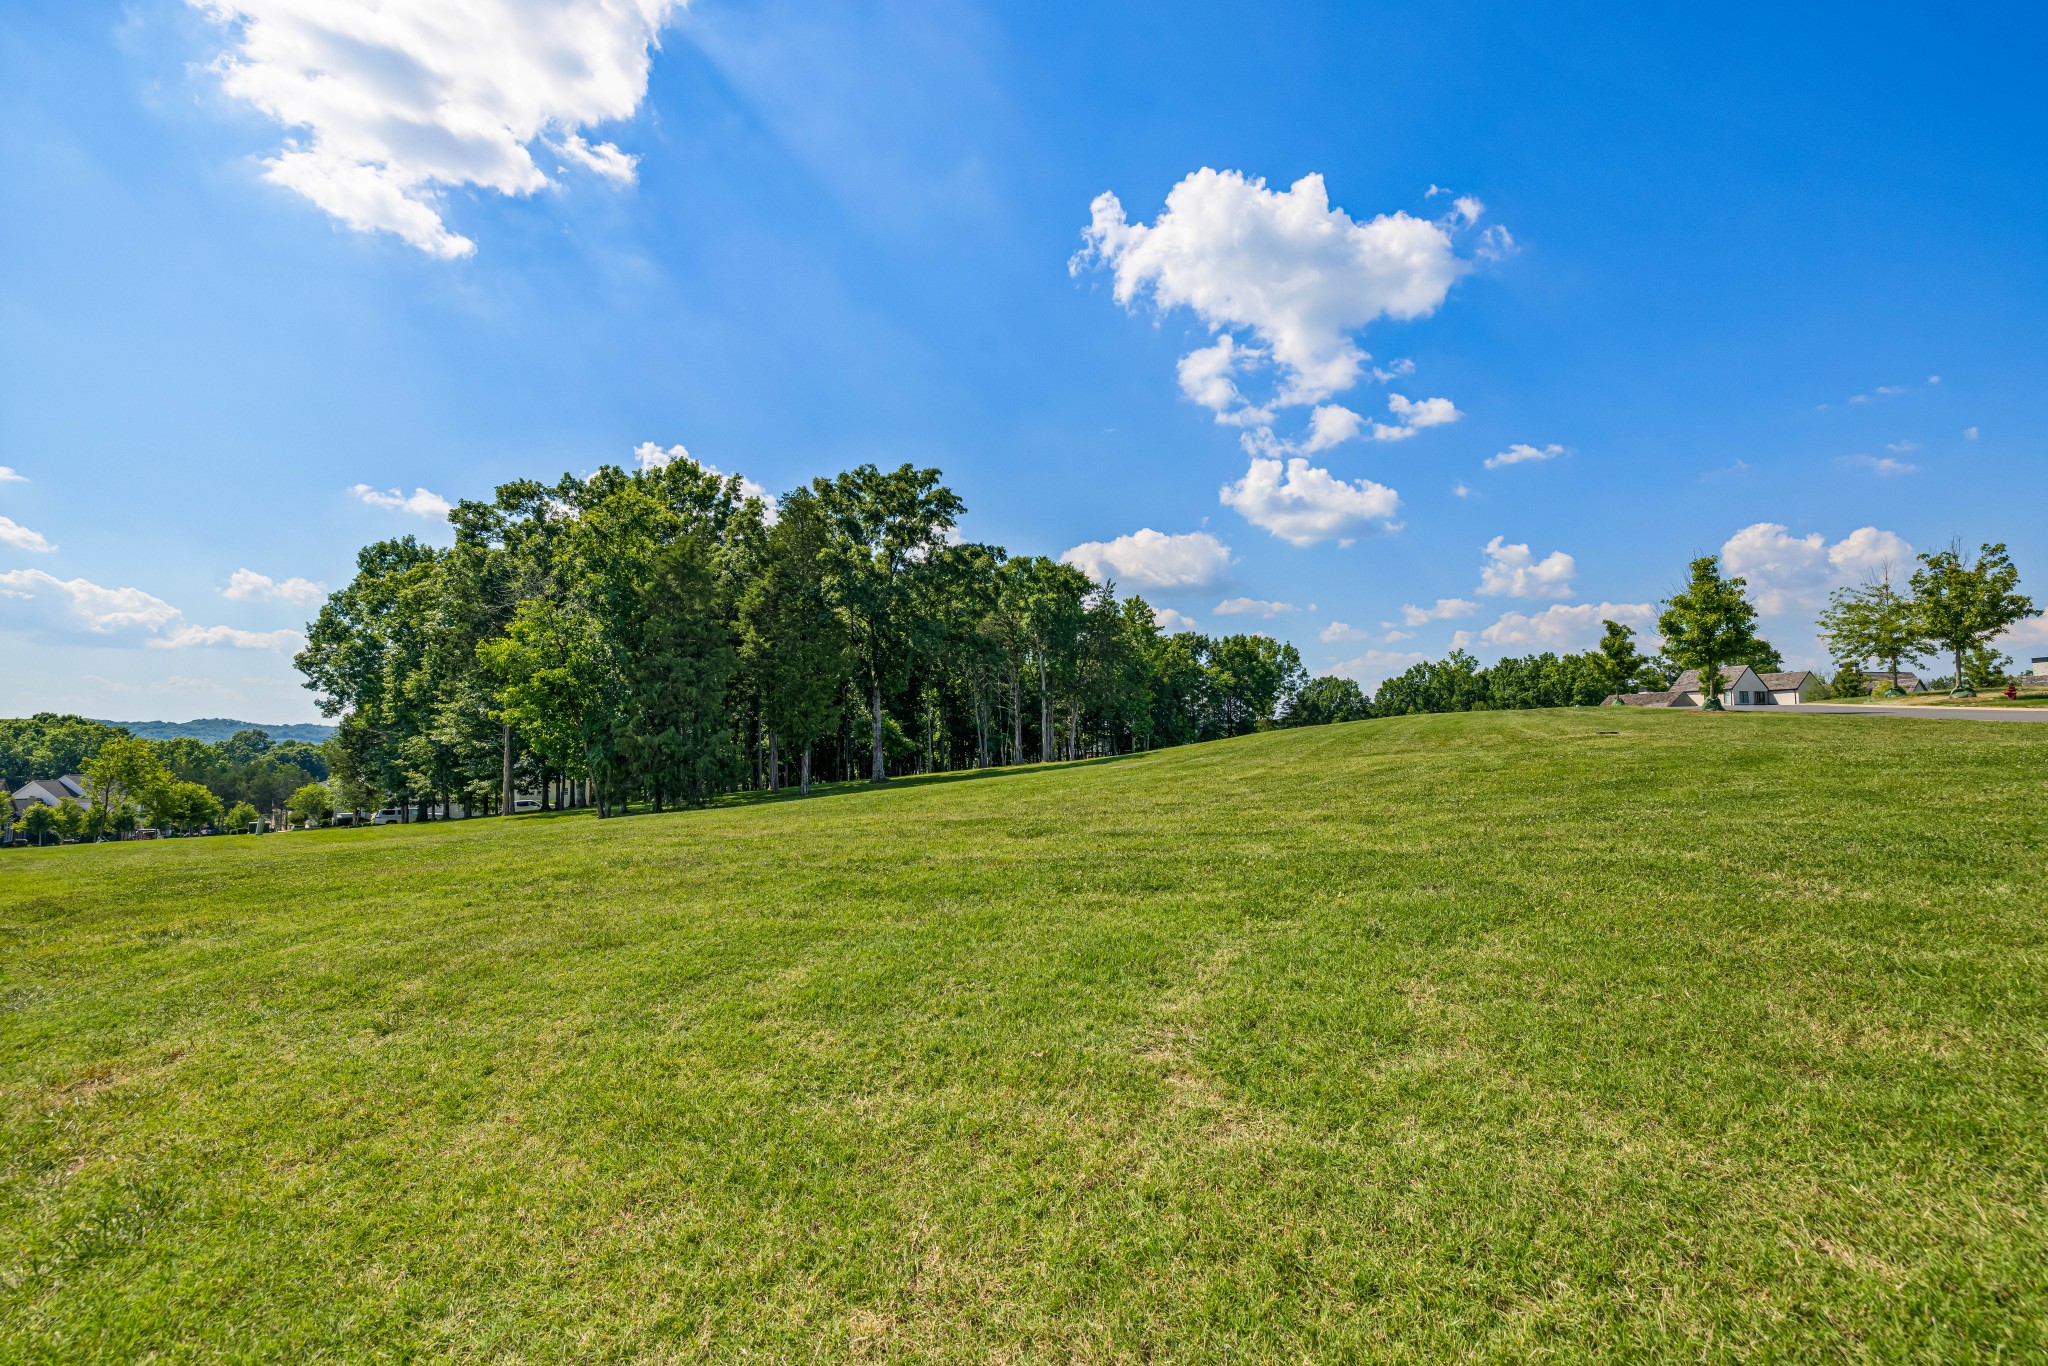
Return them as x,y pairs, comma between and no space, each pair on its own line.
246,767
214,729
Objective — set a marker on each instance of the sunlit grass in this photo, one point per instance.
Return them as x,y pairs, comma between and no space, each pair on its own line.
1601,1034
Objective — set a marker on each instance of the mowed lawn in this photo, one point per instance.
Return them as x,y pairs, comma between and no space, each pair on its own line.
1564,1036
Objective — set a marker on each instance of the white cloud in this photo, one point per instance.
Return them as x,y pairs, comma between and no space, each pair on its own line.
1460,491
387,105
15,536
9,476
2032,631
1902,447
1171,621
1513,571
1302,504
186,637
650,456
1376,666
1444,609
1258,607
1521,453
1788,573
1934,379
1969,433
421,503
1153,559
1338,631
1291,273
1559,627
1882,465
246,585
31,600
1889,389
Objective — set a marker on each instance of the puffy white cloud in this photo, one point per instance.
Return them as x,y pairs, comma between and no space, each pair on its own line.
1298,277
1788,573
1513,571
1521,453
34,597
15,536
1376,666
386,105
1444,609
1881,465
1337,632
1559,627
1460,491
1902,447
1969,433
2032,631
33,601
421,503
246,585
1302,504
1413,415
1153,559
8,475
1171,621
1257,607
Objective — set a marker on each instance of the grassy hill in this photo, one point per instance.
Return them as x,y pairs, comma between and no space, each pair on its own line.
1612,1034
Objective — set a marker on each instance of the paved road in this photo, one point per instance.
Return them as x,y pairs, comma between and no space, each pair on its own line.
1923,713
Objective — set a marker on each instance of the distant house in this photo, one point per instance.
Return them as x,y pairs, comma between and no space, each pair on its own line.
1877,680
2040,669
49,792
1741,686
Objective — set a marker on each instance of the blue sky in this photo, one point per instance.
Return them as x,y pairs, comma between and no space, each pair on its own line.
1715,258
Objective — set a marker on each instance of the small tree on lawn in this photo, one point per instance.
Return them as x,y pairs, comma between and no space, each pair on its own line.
1711,623
125,768
1877,622
313,802
70,820
239,818
1961,604
1848,680
39,820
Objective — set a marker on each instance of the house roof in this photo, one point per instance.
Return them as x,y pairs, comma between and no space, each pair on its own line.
1785,682
1689,681
1675,698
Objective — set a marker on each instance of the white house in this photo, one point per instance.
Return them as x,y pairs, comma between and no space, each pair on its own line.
1741,686
2040,669
49,792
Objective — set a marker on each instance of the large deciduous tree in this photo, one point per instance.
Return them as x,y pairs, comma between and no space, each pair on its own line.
1709,623
1964,602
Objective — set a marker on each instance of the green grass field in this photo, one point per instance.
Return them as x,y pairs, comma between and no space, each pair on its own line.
1565,1036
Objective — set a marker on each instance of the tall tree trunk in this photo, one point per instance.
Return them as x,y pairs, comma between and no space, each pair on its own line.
774,763
807,771
505,783
1044,718
880,772
1016,715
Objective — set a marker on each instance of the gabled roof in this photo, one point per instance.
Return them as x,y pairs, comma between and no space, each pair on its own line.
1786,682
1674,698
1689,681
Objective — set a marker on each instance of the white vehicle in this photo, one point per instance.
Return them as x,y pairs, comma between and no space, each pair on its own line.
390,815
525,804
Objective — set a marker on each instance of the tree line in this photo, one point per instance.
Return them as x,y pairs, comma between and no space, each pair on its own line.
174,785
658,637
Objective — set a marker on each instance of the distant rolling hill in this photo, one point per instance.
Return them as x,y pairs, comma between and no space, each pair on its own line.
212,729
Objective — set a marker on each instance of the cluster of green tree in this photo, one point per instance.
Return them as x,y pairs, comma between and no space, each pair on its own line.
128,785
1458,683
658,637
187,785
1954,603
